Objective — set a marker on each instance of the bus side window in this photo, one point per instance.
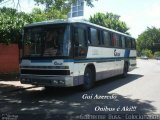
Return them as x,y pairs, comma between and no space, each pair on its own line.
80,37
133,44
106,39
128,43
80,49
94,37
123,42
120,41
113,39
116,40
99,38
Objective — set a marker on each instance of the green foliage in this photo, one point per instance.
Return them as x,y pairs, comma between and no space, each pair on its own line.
149,39
147,53
52,13
157,54
60,4
11,23
54,9
109,20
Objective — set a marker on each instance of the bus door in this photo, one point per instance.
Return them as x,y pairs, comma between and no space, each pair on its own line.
80,50
80,42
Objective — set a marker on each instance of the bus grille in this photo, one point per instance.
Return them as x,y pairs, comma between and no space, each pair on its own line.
46,72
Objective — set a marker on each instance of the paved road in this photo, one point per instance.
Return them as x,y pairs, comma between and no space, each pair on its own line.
138,93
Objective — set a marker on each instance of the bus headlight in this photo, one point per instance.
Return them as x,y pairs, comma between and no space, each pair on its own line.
55,82
58,82
61,82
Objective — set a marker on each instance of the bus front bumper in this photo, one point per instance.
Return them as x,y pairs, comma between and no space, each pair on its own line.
59,81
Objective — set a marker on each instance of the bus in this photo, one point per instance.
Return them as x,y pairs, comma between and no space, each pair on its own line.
65,53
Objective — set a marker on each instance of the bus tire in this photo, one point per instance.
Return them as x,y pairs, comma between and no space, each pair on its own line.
125,70
88,79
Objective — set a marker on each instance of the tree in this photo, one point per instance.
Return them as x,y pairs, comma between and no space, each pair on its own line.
11,23
54,9
147,53
149,39
59,4
157,54
52,13
109,20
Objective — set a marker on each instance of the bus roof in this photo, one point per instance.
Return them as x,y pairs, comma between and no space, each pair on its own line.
61,21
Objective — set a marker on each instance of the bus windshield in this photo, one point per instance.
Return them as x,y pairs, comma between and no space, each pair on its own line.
46,41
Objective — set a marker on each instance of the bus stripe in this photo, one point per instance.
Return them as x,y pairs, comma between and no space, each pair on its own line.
98,60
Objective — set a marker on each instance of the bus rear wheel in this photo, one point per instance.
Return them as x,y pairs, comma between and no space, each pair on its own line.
88,79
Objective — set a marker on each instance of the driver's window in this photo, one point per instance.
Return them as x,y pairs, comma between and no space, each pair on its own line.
80,37
80,42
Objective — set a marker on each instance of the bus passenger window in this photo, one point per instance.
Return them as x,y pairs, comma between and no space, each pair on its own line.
120,41
133,44
113,39
116,40
128,42
106,39
94,37
123,41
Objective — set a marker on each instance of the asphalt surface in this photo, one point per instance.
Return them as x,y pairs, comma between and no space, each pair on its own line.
139,93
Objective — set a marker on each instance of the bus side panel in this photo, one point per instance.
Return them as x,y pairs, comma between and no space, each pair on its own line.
107,63
132,60
78,73
104,70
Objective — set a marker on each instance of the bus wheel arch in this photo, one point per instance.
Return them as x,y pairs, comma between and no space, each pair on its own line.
89,77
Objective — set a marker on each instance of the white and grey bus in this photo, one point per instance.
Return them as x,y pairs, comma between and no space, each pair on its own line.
67,53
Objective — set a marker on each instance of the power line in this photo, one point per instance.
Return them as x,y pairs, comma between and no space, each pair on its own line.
18,5
14,3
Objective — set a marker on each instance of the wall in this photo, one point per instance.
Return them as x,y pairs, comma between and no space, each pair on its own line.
9,58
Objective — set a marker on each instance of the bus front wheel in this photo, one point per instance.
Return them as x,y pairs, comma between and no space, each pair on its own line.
88,79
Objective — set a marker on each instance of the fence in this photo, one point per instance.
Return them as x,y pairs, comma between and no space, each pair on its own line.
9,58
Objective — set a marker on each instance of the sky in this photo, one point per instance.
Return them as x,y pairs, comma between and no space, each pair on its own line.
137,14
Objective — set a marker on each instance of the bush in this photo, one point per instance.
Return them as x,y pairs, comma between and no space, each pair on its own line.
147,53
11,23
157,54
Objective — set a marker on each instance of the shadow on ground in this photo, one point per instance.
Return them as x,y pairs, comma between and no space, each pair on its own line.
44,104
